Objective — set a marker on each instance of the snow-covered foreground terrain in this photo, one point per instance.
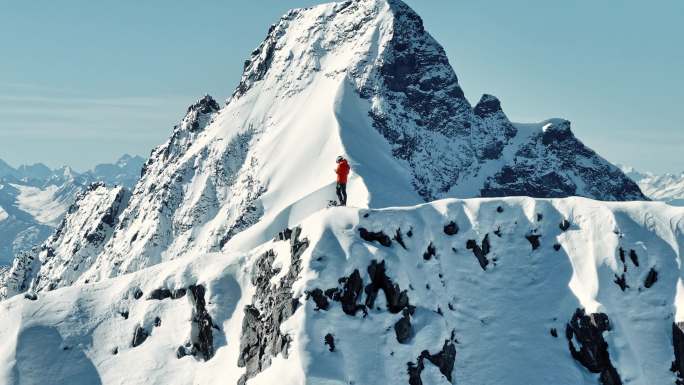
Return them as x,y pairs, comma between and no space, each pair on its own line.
474,291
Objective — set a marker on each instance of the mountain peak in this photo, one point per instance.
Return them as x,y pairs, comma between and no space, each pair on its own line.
488,105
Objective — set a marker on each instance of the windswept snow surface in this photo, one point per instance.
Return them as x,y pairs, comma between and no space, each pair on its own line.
498,319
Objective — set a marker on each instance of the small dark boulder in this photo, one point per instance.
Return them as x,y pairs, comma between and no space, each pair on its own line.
651,278
430,252
329,340
634,257
139,336
564,225
534,240
403,328
137,294
451,228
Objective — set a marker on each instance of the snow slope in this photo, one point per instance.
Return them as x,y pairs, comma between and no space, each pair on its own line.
492,325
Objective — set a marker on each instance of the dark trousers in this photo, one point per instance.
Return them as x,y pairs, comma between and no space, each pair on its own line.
342,193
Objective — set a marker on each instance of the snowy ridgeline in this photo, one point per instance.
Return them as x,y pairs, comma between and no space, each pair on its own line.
482,291
661,187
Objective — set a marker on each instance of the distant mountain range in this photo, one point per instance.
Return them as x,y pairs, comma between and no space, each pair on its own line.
660,187
34,198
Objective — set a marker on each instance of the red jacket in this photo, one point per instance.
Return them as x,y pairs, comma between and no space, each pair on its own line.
342,171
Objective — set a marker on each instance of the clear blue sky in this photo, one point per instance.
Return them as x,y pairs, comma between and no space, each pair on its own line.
84,81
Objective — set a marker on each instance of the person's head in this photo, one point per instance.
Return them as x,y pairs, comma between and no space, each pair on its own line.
339,159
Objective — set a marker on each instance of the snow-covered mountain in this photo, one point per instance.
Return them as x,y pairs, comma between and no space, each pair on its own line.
181,277
35,198
661,187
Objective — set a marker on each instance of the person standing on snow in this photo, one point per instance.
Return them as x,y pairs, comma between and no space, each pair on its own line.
342,172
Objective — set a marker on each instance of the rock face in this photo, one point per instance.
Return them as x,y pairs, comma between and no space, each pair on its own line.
262,339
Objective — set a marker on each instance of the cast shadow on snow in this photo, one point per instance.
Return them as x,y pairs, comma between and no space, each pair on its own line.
38,350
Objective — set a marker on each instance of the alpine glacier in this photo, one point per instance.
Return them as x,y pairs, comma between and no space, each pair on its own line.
182,277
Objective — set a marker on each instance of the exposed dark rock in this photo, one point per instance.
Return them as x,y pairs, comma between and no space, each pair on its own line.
115,351
159,294
319,299
499,209
124,314
329,340
137,294
202,335
540,217
187,350
451,228
351,293
379,236
397,300
403,328
651,278
564,225
678,344
480,252
139,336
554,332
261,338
430,252
400,239
557,246
621,280
157,322
621,253
634,257
497,232
534,240
285,235
592,350
178,293
443,360
31,296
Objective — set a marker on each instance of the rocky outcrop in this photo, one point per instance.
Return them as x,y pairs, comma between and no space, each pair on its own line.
480,252
444,360
202,324
678,344
375,236
261,337
588,347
